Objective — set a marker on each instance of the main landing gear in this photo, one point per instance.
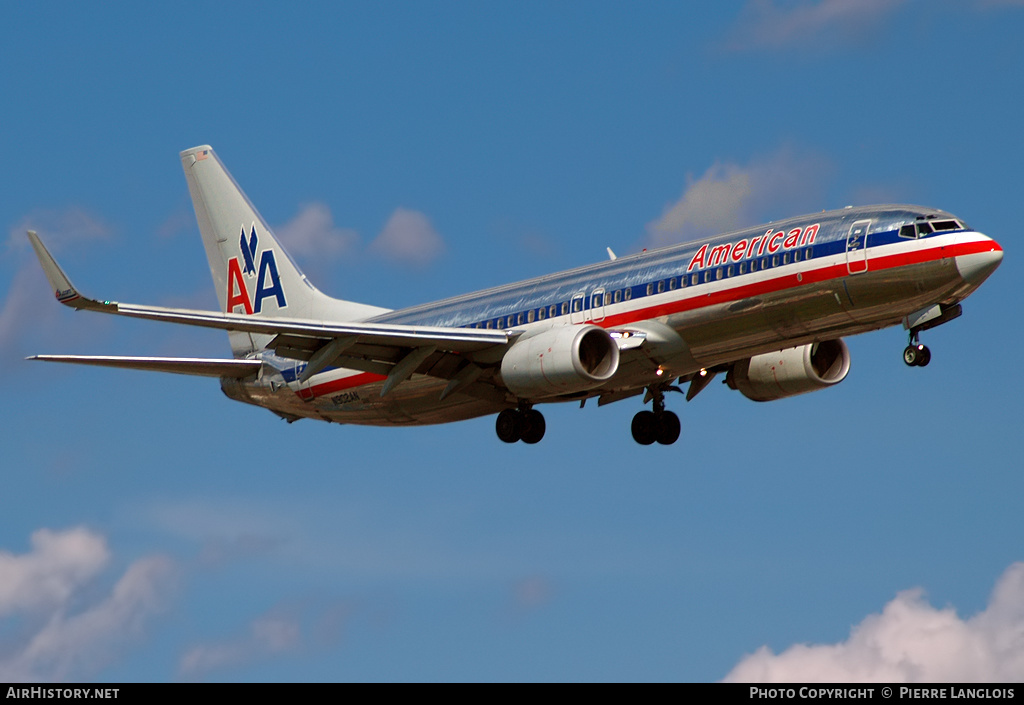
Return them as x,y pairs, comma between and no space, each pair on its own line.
658,425
525,424
916,354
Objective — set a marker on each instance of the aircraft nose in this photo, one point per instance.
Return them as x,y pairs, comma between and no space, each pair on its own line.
978,265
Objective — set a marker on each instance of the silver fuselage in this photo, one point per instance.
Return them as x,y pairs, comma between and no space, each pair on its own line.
812,278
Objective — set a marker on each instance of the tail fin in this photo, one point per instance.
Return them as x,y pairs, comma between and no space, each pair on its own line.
252,272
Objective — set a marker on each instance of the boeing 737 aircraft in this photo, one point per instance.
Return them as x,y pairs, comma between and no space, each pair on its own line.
767,306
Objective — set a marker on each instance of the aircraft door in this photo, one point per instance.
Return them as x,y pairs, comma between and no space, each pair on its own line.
597,305
857,247
577,314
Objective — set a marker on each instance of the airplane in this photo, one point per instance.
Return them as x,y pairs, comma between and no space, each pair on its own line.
767,306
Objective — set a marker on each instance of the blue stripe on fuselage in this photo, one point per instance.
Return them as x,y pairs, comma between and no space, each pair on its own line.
635,272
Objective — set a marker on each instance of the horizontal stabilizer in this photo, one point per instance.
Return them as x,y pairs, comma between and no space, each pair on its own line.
178,365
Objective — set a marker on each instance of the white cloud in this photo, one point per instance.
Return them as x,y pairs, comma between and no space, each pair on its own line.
43,591
730,196
312,233
910,642
57,565
768,23
408,237
266,636
59,227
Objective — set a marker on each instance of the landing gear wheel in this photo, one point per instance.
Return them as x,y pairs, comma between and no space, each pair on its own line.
509,426
924,356
667,428
533,426
917,355
645,428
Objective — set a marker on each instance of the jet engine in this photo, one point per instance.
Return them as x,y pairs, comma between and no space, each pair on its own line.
789,372
561,360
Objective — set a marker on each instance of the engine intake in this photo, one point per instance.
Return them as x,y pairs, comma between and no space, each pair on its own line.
789,372
561,360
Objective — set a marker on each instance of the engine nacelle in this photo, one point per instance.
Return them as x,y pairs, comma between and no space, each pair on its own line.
792,371
562,360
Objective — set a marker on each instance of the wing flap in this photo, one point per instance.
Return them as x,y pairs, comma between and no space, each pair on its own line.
201,367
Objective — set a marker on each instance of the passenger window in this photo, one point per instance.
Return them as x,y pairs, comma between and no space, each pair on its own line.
553,311
529,316
661,287
617,296
729,271
565,309
597,300
577,305
490,325
718,273
908,231
650,289
628,294
785,258
540,313
682,281
519,319
707,276
810,252
672,284
743,267
695,279
797,256
775,260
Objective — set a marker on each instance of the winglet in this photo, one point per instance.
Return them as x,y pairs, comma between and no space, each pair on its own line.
63,289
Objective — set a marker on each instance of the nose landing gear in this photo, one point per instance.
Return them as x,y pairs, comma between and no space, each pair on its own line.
916,354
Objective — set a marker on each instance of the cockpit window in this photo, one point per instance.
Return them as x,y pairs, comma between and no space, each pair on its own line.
908,231
923,229
941,225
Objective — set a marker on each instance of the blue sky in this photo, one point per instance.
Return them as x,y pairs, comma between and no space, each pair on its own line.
154,530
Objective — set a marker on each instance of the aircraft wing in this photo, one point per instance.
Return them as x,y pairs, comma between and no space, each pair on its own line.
451,339
178,365
390,349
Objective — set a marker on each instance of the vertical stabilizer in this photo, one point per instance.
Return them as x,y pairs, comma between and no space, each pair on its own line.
252,272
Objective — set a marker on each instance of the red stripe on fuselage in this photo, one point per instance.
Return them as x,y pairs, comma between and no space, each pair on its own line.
337,385
790,281
736,293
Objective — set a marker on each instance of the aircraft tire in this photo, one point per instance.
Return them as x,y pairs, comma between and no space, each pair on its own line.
917,355
910,355
924,356
509,426
533,426
668,428
645,428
